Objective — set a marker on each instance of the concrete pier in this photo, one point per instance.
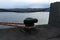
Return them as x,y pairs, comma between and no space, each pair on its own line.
54,17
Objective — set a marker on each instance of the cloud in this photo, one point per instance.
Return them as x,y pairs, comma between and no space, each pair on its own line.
23,3
37,5
31,1
34,6
54,1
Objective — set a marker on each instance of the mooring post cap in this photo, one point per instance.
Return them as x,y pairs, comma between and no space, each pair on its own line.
30,20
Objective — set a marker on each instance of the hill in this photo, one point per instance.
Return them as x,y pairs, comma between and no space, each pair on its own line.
26,10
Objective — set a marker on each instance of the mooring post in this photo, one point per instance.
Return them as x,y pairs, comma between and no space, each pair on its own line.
29,22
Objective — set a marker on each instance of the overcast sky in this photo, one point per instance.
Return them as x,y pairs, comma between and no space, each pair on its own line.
25,3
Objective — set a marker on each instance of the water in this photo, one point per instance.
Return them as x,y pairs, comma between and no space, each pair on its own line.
42,17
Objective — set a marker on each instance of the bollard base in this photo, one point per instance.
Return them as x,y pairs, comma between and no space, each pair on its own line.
29,31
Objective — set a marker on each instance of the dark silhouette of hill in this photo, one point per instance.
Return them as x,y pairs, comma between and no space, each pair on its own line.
26,10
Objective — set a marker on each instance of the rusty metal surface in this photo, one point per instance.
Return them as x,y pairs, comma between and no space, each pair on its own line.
18,25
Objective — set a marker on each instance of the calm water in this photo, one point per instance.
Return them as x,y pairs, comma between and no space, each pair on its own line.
19,17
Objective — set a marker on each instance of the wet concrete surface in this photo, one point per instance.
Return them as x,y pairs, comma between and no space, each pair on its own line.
16,34
54,33
44,32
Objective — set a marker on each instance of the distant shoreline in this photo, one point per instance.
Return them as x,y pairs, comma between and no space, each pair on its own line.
28,10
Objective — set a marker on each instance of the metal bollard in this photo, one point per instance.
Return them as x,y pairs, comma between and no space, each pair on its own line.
29,22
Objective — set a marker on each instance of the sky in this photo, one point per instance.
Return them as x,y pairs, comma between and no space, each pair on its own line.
26,3
51,1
